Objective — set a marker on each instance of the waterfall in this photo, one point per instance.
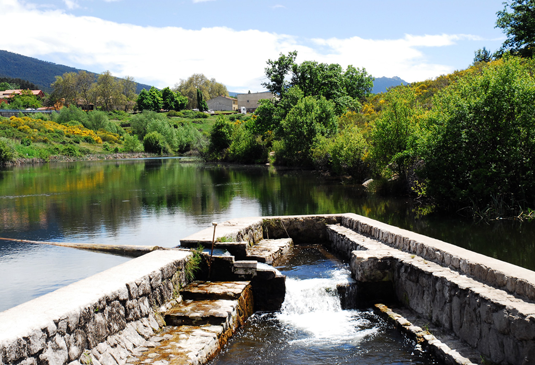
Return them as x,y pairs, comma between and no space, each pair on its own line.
313,307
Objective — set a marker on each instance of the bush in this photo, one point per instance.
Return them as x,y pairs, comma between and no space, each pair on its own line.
132,144
72,113
154,142
7,152
306,121
140,122
163,127
245,148
98,120
480,142
26,141
189,138
220,137
70,150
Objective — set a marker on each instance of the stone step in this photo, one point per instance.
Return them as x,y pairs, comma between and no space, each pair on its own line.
200,312
228,290
268,251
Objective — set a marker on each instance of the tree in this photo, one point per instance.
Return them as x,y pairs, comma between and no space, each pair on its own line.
144,101
209,88
128,89
481,142
277,73
83,83
65,88
168,98
107,90
5,86
156,98
482,55
25,100
519,26
201,104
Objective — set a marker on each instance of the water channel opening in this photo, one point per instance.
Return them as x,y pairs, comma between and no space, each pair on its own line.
312,327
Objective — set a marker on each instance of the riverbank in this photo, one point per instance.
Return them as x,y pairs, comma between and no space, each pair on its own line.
90,157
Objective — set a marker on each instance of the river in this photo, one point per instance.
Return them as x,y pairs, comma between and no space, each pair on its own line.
158,201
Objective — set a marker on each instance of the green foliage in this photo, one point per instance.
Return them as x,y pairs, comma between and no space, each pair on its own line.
7,152
139,122
209,88
201,103
98,120
72,113
221,135
70,150
154,142
276,73
189,138
480,139
132,144
26,141
156,99
519,26
344,153
482,55
245,146
309,119
394,133
144,101
163,127
193,265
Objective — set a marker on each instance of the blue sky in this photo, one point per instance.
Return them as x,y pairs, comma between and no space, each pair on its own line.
160,42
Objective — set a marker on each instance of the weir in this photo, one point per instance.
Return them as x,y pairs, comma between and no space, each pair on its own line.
461,306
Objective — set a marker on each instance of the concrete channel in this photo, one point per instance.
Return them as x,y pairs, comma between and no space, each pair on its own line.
463,307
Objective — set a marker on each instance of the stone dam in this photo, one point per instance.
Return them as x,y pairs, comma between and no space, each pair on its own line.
460,306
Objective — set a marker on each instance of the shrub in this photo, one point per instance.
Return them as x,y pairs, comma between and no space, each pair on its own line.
245,148
480,139
70,150
7,152
72,113
140,122
132,144
154,142
98,120
220,137
26,141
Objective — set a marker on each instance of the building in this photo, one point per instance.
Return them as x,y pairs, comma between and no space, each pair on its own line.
9,93
250,100
222,103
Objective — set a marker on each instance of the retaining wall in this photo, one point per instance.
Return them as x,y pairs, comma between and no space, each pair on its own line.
97,320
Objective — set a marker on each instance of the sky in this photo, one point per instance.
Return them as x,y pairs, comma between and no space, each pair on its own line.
160,42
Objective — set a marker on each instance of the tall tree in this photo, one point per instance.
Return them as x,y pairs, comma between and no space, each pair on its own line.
277,73
107,91
209,88
128,89
65,88
84,81
519,26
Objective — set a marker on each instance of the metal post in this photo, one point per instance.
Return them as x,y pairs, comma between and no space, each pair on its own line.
211,252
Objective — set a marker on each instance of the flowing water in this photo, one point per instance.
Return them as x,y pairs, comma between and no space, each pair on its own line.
312,328
159,201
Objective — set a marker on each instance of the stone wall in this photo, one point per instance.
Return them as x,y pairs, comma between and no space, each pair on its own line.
97,320
498,324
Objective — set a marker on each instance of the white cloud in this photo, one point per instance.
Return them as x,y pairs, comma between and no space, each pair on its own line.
201,1
145,52
71,4
279,6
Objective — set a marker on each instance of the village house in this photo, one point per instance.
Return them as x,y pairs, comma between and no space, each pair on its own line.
8,94
222,103
250,100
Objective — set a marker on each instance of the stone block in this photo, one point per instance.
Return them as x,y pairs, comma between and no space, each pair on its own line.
132,310
76,344
96,330
155,279
16,350
523,329
56,352
29,361
36,341
115,317
143,286
133,290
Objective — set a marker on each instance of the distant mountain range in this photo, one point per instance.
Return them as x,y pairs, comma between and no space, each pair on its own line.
381,84
40,73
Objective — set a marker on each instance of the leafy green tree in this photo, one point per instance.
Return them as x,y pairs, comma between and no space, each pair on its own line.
25,100
482,55
210,88
277,73
519,26
308,120
156,98
132,144
128,90
480,143
394,134
5,86
65,88
72,113
168,99
83,83
163,127
201,104
144,101
108,91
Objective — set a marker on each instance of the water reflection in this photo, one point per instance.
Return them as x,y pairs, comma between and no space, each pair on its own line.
159,201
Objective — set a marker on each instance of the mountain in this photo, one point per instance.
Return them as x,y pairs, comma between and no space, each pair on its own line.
40,73
382,83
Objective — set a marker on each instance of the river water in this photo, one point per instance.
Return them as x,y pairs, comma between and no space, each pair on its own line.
159,201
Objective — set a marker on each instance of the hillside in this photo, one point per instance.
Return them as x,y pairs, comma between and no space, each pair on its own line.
381,84
41,73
